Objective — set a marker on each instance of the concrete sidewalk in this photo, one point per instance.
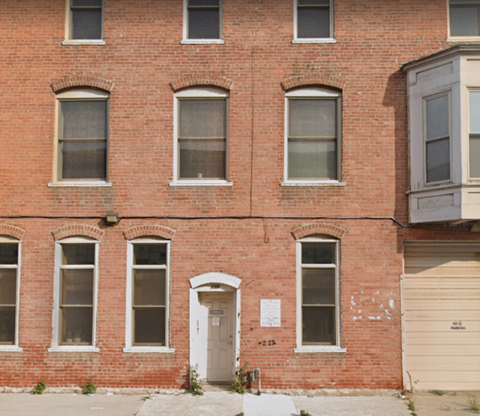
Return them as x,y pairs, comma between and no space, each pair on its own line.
212,403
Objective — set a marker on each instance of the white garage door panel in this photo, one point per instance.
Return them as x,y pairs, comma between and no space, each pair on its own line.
441,316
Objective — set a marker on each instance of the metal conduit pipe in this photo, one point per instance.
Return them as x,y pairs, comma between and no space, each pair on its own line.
255,375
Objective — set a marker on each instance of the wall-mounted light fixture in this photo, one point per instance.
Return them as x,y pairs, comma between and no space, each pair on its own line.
111,218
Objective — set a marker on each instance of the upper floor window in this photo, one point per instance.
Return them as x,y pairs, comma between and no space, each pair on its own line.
464,17
313,125
201,134
76,276
437,138
203,19
318,311
313,19
84,20
9,285
148,294
474,133
82,135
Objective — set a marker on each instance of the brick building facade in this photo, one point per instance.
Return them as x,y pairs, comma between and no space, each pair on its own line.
194,122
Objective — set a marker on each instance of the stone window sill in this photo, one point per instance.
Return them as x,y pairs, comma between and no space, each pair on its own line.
319,348
74,184
158,350
76,42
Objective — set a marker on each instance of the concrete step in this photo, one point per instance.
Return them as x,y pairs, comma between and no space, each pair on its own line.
268,405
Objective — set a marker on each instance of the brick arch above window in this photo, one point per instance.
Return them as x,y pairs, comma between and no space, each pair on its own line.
312,80
78,229
12,231
149,231
201,80
309,229
81,81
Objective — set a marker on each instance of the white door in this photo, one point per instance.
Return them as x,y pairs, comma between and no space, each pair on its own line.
220,335
441,316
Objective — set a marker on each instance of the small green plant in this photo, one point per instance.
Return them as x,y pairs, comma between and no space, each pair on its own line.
437,392
195,382
40,387
304,413
241,379
411,407
239,414
473,404
89,388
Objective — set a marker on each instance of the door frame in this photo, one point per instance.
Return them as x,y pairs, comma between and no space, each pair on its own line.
212,282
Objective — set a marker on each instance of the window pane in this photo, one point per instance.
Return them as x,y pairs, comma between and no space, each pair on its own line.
318,325
8,286
313,22
77,325
84,160
84,119
475,112
78,254
7,325
318,253
203,24
318,286
149,287
312,159
149,326
475,156
87,24
202,118
149,254
85,3
438,160
203,2
77,287
312,118
437,117
464,21
202,159
8,253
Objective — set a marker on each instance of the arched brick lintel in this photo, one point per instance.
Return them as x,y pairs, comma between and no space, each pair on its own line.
311,80
82,81
199,80
12,231
309,229
148,231
77,229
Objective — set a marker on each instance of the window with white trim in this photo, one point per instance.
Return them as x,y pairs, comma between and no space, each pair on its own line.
437,138
318,292
474,133
84,20
203,19
201,148
148,294
313,135
313,19
82,135
76,282
464,18
9,291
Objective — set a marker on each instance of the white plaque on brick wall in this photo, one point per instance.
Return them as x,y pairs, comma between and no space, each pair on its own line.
270,312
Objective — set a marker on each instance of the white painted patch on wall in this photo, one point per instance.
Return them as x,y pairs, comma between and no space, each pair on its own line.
392,304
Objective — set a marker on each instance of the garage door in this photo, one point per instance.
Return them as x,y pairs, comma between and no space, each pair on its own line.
441,316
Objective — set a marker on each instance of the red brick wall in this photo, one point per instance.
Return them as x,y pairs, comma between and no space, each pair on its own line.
142,58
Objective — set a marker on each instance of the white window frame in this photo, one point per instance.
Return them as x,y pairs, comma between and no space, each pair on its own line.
296,39
14,347
187,41
69,28
56,342
129,321
472,179
315,92
425,141
318,348
200,93
473,38
78,94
